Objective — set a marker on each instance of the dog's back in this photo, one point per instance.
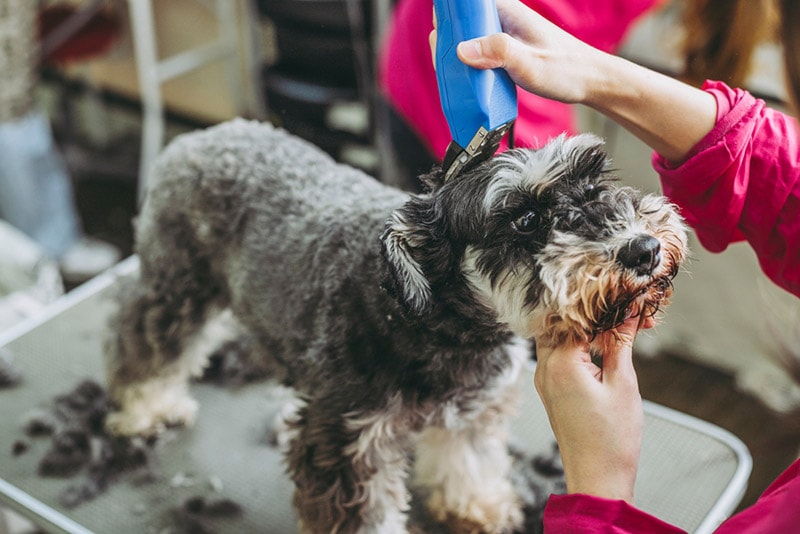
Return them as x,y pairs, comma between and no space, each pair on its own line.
246,175
244,209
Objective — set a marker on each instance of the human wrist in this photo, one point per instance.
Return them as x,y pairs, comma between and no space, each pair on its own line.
609,473
612,486
609,83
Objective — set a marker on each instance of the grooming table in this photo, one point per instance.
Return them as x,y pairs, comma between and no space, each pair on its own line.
693,474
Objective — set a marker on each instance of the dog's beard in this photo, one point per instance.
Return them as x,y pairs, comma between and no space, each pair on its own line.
607,311
644,305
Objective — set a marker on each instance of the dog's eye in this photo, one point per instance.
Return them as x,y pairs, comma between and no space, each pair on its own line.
590,191
526,223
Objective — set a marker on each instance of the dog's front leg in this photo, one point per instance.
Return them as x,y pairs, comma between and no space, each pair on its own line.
466,472
349,471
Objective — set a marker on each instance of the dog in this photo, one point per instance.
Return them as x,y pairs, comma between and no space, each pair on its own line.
390,314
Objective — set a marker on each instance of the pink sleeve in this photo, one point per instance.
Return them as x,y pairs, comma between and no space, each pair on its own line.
775,511
742,182
585,514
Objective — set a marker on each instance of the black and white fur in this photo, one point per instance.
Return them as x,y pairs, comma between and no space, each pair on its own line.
391,315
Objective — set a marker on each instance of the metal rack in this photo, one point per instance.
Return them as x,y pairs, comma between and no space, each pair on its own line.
153,72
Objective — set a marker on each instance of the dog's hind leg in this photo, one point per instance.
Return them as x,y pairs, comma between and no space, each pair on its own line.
349,471
466,472
161,336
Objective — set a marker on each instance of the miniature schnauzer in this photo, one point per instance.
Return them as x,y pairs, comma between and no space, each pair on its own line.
390,314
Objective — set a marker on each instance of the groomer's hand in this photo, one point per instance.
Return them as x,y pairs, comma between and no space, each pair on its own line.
669,116
538,55
596,414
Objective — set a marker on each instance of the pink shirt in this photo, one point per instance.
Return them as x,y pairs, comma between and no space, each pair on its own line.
776,511
742,182
408,81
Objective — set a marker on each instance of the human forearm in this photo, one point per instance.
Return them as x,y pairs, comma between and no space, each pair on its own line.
596,414
668,115
610,473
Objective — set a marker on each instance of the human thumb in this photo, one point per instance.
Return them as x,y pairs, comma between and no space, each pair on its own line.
483,52
626,332
619,355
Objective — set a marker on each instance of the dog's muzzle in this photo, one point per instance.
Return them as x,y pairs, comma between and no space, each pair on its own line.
642,255
643,304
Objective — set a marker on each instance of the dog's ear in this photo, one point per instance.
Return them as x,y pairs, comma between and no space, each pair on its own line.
410,247
586,154
432,180
406,280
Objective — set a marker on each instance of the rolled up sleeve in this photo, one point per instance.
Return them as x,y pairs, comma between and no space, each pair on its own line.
742,182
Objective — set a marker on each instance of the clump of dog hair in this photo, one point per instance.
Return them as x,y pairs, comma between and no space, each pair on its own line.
196,514
81,449
79,443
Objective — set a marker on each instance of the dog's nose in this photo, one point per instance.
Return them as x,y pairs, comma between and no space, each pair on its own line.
642,254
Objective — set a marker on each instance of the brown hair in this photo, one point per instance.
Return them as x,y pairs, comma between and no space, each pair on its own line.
721,36
790,37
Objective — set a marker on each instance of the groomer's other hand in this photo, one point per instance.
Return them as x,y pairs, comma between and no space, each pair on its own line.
596,414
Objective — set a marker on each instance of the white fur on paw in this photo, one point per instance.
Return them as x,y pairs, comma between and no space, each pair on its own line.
499,513
124,424
282,431
146,420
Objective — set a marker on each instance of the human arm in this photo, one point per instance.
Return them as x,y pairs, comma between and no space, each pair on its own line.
597,418
742,182
668,115
595,413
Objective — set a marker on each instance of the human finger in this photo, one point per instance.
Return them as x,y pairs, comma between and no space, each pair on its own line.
432,43
618,357
432,38
489,52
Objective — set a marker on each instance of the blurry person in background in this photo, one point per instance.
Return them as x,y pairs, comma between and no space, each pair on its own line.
720,38
36,193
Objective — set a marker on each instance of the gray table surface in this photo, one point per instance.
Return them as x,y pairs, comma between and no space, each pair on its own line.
692,474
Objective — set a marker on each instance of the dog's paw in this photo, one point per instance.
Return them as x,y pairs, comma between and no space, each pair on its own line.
123,424
499,525
141,421
282,431
500,514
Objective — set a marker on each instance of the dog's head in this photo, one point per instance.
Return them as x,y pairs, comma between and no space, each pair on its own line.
546,239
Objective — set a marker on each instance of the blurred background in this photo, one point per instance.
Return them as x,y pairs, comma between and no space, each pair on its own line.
115,80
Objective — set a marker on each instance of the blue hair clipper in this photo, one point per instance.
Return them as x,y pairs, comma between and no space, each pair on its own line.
480,105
